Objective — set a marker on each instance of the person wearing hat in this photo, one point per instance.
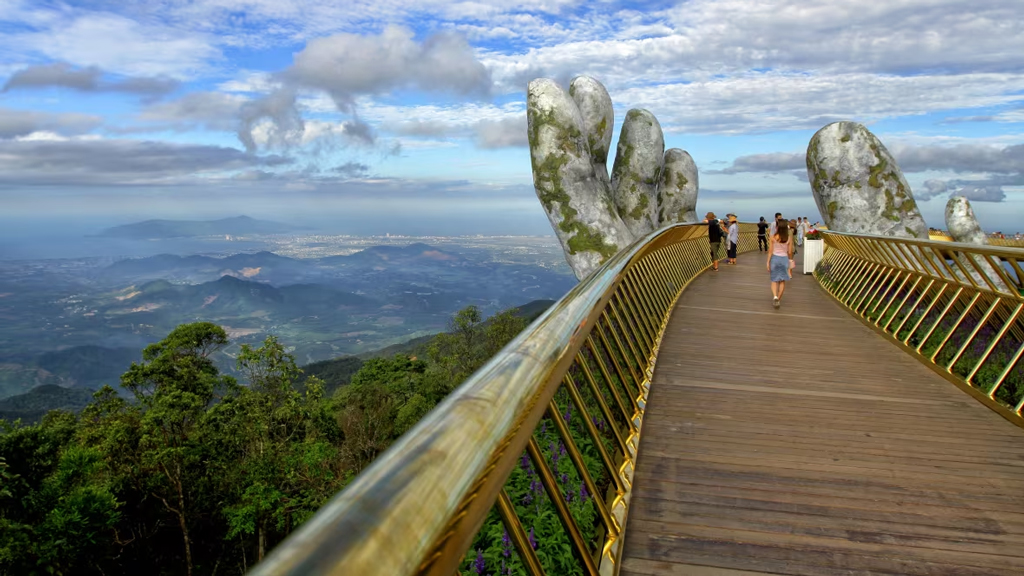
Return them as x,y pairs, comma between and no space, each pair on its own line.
715,233
733,238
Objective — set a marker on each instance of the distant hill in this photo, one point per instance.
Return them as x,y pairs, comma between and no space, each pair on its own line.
404,256
31,406
89,366
235,296
237,226
259,265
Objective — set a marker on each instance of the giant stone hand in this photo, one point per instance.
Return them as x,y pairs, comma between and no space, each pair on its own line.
595,216
858,186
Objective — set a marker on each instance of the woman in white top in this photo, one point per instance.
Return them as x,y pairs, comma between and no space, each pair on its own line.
733,238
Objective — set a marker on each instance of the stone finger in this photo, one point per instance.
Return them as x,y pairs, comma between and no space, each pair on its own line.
598,115
577,203
677,191
857,185
637,171
963,226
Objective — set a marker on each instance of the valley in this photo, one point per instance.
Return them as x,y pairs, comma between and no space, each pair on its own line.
81,322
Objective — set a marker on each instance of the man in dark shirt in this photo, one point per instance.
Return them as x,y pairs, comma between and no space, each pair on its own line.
762,238
714,238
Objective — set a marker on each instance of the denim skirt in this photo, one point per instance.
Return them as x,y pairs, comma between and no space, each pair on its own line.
780,268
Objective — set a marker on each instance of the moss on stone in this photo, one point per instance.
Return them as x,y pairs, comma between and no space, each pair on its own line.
816,174
586,239
609,206
548,182
910,231
845,138
640,209
594,140
891,211
622,162
835,179
832,207
878,170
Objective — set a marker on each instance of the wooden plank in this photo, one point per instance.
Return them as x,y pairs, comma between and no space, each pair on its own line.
797,441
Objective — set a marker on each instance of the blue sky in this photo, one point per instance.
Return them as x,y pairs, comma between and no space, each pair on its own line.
395,110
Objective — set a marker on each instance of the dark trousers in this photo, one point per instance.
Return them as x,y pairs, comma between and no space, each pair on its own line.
762,241
732,250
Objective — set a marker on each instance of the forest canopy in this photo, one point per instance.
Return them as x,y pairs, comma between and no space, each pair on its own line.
188,471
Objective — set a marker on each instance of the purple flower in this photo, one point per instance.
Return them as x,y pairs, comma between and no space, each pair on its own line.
584,495
525,464
479,565
568,497
564,478
544,427
533,541
506,545
568,414
561,448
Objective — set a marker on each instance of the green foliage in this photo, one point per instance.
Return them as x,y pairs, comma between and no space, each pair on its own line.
33,405
188,472
334,373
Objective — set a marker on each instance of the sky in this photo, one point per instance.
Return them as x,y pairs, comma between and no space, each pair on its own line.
394,115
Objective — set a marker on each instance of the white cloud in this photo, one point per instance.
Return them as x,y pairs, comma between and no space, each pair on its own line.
347,65
117,44
753,102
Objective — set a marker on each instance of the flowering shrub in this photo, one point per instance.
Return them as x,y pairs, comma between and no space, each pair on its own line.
813,234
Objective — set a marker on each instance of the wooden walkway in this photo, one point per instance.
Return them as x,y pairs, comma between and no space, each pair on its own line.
798,441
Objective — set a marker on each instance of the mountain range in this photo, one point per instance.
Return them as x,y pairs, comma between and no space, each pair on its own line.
237,226
322,308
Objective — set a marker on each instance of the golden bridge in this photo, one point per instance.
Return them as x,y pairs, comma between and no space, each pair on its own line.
665,419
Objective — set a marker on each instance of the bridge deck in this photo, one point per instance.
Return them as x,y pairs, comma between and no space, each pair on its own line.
798,441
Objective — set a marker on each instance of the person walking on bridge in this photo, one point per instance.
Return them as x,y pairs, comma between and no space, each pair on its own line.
779,255
715,233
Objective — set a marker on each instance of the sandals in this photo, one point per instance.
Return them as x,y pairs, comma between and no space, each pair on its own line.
775,302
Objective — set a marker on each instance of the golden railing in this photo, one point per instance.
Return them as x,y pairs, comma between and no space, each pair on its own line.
1009,242
956,307
575,381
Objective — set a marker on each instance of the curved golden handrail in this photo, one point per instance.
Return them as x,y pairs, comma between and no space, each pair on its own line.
956,307
417,508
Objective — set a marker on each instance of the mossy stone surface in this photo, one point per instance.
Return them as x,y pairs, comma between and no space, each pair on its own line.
595,216
564,177
677,192
595,106
858,186
636,173
962,224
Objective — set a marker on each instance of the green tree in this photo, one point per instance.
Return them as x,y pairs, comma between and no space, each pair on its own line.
57,511
457,352
274,482
173,387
